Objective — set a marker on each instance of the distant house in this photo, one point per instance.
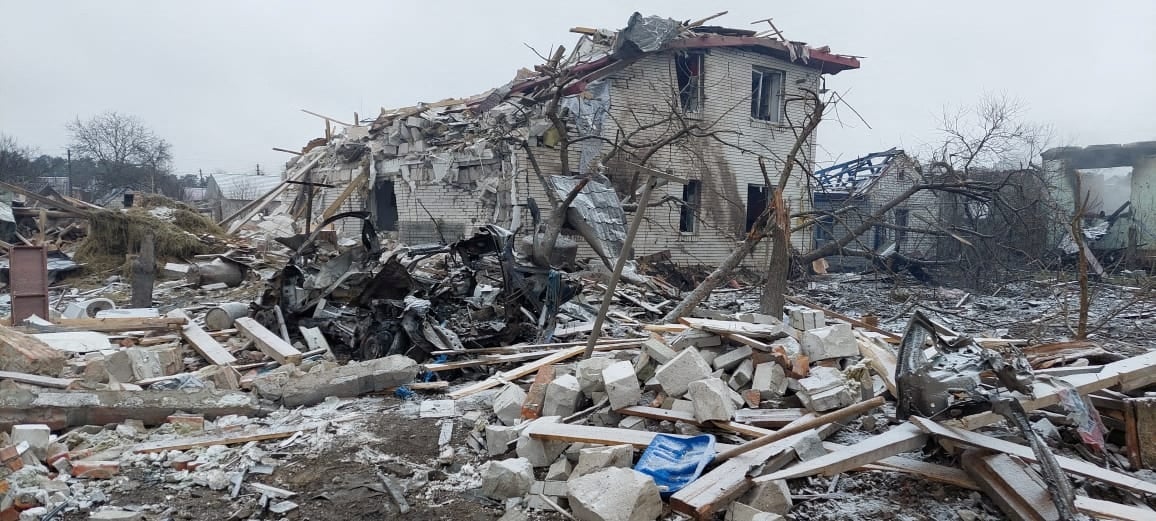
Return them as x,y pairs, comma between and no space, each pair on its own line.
864,185
193,194
227,193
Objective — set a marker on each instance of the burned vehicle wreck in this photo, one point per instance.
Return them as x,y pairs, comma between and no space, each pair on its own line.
414,300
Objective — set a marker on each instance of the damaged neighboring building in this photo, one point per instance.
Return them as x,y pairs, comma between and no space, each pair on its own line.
224,194
854,190
1120,181
434,173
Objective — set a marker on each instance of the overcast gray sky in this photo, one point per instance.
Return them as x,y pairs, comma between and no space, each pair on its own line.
224,81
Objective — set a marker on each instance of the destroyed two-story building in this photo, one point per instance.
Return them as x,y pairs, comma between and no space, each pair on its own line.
700,103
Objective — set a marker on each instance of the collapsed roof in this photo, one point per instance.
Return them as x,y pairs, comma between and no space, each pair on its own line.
854,177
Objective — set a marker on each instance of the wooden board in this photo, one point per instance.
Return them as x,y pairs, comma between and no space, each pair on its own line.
270,433
901,438
514,357
882,360
722,327
201,342
1078,467
1101,509
268,342
1016,489
514,374
35,379
111,325
773,418
597,435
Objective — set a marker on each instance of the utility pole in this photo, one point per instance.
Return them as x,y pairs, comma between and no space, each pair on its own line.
69,151
258,168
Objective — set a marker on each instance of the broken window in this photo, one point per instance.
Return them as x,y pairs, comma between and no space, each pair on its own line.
386,199
758,196
766,94
900,223
690,81
824,229
691,198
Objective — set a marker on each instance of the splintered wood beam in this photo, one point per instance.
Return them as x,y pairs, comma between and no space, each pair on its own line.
201,342
115,324
901,438
1012,485
328,119
271,433
1074,466
798,427
596,435
268,342
514,374
882,360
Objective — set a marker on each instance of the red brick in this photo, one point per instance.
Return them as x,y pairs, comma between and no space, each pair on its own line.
94,469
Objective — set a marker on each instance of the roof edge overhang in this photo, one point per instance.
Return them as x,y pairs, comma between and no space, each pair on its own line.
824,61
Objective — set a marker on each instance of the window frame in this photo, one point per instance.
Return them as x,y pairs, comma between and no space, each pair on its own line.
697,81
763,96
688,210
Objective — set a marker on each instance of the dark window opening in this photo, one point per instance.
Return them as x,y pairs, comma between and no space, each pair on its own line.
691,199
880,237
386,206
757,200
900,223
766,94
690,81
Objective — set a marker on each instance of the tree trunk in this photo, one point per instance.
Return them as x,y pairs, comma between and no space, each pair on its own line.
775,288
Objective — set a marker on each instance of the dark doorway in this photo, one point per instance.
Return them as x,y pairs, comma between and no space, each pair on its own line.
386,206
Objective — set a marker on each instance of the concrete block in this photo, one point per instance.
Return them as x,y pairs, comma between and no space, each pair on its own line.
731,359
742,375
682,406
559,470
769,496
830,399
790,345
694,338
821,379
498,438
615,494
676,375
508,404
507,478
594,459
621,385
808,446
134,363
115,515
633,422
589,373
741,512
769,379
550,488
658,350
36,434
540,453
834,341
295,388
563,396
708,354
804,318
711,400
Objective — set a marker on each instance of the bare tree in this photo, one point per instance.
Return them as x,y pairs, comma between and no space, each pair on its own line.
15,159
122,146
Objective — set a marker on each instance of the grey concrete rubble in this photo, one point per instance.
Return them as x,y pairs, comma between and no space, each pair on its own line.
658,350
676,375
621,385
712,400
539,453
770,379
293,388
563,396
589,373
615,494
834,341
508,404
507,478
769,496
596,458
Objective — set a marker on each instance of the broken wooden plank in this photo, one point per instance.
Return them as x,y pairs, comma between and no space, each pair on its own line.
596,435
35,379
112,325
1014,487
515,357
268,342
798,427
1081,468
881,359
201,342
270,433
345,194
516,373
773,418
622,343
722,327
1101,509
901,438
